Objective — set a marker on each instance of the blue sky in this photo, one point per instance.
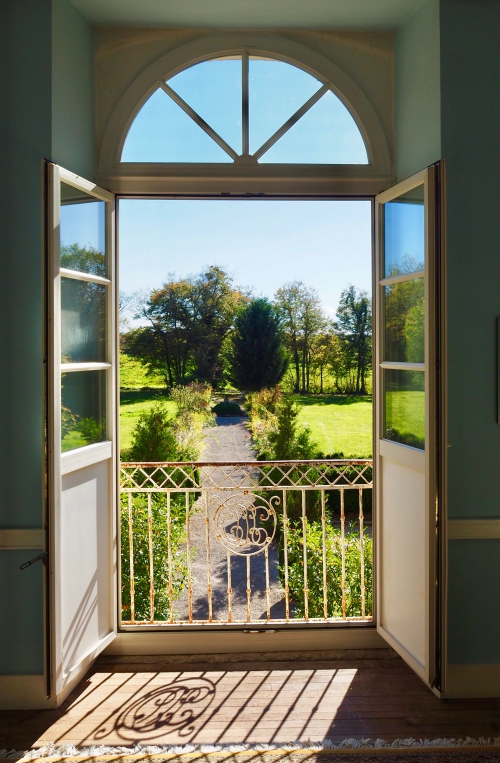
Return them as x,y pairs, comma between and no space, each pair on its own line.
83,224
262,243
163,132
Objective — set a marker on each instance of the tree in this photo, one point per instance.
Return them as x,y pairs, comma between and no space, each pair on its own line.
85,260
354,329
302,319
322,350
404,321
83,332
257,355
188,321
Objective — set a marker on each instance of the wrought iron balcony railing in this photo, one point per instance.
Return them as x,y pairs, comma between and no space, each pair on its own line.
246,542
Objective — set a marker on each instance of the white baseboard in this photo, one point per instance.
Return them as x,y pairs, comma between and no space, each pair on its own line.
235,642
468,681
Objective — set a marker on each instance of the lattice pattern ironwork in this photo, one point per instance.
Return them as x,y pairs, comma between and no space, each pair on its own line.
257,474
246,542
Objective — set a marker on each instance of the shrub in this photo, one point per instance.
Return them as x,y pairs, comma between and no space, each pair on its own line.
288,440
227,409
91,430
178,557
275,430
154,437
314,542
195,399
68,421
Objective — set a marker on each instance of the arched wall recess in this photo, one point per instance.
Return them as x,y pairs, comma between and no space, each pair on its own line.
350,179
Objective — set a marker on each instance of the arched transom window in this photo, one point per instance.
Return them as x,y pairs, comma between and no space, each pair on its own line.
244,109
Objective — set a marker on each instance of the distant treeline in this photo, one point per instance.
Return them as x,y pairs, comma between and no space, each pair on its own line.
206,329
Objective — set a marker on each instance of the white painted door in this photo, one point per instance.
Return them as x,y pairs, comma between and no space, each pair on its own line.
82,425
405,439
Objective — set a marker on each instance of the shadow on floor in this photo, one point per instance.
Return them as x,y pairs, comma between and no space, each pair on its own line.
154,702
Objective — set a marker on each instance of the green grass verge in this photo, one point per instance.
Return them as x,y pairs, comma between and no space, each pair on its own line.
338,423
135,402
133,375
405,413
138,392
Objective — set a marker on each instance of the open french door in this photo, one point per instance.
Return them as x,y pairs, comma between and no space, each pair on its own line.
82,425
405,415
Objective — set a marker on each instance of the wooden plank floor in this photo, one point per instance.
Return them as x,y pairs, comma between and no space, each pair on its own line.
160,703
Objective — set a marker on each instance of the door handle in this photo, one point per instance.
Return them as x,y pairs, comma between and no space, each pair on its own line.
40,558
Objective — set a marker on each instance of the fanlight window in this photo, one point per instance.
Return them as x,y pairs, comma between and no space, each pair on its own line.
245,109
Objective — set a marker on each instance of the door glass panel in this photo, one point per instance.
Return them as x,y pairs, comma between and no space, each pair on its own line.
83,321
82,231
83,408
326,134
404,319
405,407
213,90
404,233
163,132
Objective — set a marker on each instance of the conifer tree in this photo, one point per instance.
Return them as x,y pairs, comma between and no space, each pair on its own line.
257,355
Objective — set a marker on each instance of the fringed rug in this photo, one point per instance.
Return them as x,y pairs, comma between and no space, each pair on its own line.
349,751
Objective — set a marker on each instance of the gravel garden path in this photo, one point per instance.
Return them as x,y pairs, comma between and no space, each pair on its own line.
229,441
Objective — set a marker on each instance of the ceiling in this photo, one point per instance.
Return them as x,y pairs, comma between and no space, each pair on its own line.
250,14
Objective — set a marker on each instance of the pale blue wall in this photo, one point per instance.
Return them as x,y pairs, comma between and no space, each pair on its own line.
447,70
470,73
25,139
21,634
471,137
474,598
417,91
46,97
73,90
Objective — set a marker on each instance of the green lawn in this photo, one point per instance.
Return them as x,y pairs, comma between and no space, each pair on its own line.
405,414
138,392
133,375
339,424
132,404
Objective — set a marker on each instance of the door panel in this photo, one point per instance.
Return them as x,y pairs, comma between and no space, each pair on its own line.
86,583
82,425
405,420
403,569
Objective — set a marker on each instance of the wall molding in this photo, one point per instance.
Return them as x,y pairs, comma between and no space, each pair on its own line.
21,538
473,529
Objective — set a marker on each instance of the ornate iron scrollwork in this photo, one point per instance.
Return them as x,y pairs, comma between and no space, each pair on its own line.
246,524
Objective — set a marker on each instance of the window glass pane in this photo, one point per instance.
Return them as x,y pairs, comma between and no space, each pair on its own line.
326,134
83,408
405,407
405,321
404,233
82,231
83,321
163,132
213,90
276,90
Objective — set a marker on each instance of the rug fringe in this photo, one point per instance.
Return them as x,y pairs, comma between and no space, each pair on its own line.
192,750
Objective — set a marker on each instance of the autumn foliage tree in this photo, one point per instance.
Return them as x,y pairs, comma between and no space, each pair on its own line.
187,322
